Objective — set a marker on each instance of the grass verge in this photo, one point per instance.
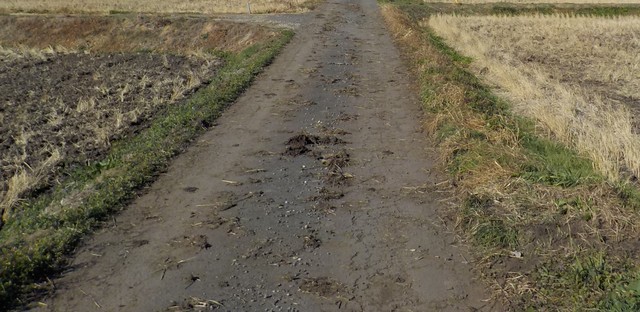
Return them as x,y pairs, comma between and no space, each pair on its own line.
36,242
418,10
548,231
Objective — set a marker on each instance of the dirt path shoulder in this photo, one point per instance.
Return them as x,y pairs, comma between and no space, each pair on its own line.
312,193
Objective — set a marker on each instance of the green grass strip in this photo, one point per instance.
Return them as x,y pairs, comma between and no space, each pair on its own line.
35,244
418,9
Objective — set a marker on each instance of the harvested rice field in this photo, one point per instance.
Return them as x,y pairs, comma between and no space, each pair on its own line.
534,108
578,75
71,90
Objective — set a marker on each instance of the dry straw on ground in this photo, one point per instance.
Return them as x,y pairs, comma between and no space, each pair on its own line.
162,6
44,125
76,122
578,76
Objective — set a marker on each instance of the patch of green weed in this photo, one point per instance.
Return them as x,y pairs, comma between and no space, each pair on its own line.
554,164
495,234
608,11
630,194
439,43
590,280
486,230
445,131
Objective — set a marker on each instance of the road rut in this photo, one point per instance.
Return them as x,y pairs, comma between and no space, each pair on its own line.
314,192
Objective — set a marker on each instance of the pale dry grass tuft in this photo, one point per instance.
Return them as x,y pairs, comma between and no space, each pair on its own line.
24,180
163,6
20,52
577,76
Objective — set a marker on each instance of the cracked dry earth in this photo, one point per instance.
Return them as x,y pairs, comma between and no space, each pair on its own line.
312,193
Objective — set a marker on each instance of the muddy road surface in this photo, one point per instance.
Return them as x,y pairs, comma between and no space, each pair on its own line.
314,192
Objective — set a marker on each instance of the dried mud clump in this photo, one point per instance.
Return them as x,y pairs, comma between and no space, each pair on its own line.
335,164
326,194
322,286
311,242
334,160
196,304
300,144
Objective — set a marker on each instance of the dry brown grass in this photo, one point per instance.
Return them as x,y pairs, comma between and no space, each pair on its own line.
153,6
182,35
25,179
578,76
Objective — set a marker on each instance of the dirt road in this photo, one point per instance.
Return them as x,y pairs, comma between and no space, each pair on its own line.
314,192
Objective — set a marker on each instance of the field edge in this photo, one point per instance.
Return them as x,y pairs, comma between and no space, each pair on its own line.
39,245
479,140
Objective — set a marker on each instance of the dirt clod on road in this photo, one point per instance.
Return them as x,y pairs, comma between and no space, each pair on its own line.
294,201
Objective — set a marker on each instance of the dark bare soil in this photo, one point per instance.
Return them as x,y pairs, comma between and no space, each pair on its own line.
72,84
308,195
76,104
301,144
